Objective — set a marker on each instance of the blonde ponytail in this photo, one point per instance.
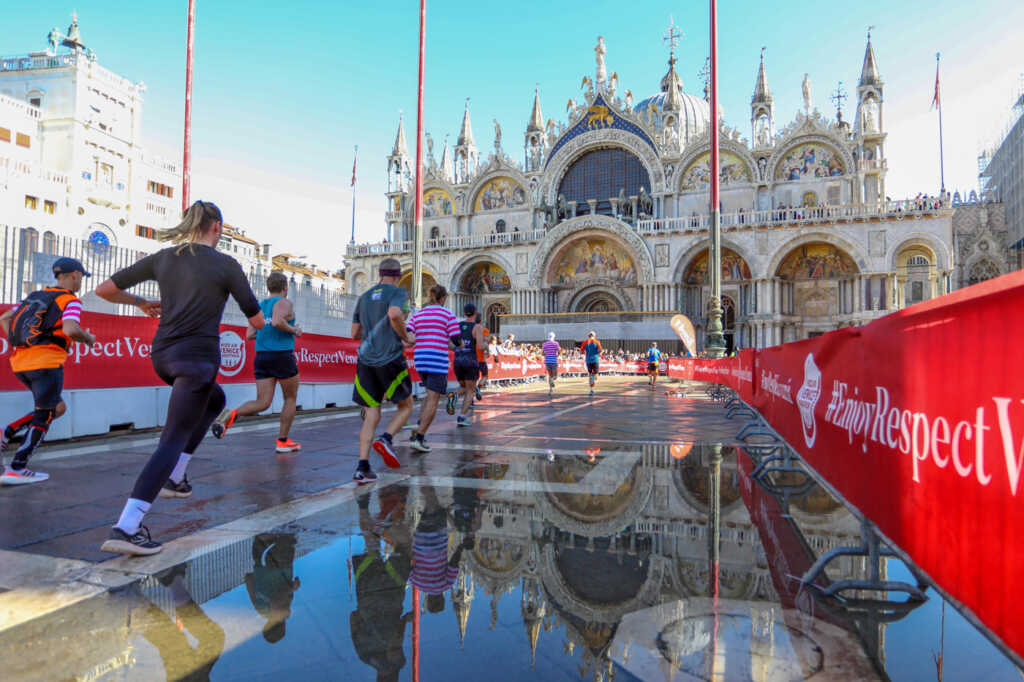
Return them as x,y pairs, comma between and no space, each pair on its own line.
197,220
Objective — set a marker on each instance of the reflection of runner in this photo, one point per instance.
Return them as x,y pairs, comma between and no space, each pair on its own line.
653,360
592,351
435,328
377,624
381,372
171,638
467,368
195,281
271,585
432,571
274,364
41,330
550,350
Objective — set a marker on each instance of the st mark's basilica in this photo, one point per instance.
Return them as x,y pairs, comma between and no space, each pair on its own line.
603,223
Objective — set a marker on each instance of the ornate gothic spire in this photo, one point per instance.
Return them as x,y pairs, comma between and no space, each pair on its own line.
447,168
466,134
762,94
672,84
400,148
536,123
869,74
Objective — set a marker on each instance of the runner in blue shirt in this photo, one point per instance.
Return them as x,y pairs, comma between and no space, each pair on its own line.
653,360
592,350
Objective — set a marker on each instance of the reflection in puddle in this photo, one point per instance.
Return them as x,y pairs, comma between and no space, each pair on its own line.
646,561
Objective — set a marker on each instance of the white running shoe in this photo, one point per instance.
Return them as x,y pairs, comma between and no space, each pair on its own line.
22,476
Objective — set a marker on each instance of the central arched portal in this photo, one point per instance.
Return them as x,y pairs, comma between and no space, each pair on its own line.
599,301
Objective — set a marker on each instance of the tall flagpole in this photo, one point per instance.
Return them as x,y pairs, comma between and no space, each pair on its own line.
942,160
417,233
355,157
186,165
715,346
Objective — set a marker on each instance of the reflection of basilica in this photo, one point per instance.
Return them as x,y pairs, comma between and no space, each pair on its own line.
607,212
598,568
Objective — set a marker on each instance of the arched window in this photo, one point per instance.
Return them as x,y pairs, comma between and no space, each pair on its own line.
30,239
602,174
435,233
917,260
983,270
499,226
49,242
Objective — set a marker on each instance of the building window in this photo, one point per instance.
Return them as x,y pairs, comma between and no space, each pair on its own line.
145,232
36,101
5,135
31,237
49,206
49,242
601,174
86,175
499,227
31,202
22,140
107,173
916,292
917,260
161,189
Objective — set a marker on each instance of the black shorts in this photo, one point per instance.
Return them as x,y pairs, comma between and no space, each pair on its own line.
552,369
467,370
483,368
374,385
274,364
652,367
591,368
435,381
45,384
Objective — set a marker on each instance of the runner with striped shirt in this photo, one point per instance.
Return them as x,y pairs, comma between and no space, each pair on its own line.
550,350
436,328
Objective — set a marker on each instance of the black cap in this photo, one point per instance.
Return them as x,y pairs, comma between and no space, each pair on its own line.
64,266
469,309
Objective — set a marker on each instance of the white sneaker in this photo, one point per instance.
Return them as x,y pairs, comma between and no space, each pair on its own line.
22,477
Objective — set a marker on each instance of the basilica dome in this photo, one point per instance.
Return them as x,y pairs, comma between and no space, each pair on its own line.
694,111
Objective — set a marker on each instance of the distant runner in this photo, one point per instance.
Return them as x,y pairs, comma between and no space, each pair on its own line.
550,350
41,330
653,360
481,357
467,367
381,371
274,364
435,328
592,350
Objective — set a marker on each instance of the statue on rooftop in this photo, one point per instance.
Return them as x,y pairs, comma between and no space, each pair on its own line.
54,39
807,94
601,74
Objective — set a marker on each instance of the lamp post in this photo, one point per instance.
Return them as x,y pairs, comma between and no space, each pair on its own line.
715,345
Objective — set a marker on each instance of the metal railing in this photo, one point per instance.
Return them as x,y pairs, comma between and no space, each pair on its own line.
563,318
27,257
470,241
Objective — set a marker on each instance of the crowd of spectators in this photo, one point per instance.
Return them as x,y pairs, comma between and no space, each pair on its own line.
532,351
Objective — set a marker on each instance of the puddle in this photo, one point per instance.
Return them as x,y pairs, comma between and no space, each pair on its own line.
632,562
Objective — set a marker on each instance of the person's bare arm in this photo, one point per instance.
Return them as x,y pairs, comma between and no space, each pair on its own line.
109,291
5,321
283,311
250,332
478,335
257,321
397,317
74,331
357,331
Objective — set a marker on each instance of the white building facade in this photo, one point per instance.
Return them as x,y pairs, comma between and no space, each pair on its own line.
72,162
607,215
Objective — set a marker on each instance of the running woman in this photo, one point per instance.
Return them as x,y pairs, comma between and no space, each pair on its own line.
195,282
592,351
41,330
467,368
435,328
274,364
550,350
653,360
381,371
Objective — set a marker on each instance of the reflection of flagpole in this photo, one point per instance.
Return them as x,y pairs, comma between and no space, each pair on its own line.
415,634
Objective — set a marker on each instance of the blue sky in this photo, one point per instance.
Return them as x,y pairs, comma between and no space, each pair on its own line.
284,91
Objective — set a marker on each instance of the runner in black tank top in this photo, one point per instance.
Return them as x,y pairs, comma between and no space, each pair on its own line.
467,368
195,282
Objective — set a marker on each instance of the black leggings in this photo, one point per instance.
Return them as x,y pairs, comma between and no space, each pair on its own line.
196,400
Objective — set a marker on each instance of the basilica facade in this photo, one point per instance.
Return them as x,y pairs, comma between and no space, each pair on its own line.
603,223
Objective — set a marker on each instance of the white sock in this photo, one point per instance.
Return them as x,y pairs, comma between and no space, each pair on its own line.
179,468
131,515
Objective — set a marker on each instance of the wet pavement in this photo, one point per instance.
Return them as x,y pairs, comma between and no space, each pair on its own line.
624,536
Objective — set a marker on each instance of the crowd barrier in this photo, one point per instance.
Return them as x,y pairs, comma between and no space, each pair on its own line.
917,420
117,374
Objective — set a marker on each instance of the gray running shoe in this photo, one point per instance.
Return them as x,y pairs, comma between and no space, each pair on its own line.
140,544
172,489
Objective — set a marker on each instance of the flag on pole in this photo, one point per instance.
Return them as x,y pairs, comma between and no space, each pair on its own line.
355,158
935,98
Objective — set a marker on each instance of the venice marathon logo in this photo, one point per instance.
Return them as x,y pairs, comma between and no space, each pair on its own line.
232,353
807,399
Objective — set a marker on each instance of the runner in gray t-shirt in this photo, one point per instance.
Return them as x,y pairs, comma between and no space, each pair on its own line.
381,372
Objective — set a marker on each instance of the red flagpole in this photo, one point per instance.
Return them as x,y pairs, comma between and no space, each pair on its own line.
417,253
186,166
714,169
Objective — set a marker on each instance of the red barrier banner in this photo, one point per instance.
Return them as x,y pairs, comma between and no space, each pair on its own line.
917,420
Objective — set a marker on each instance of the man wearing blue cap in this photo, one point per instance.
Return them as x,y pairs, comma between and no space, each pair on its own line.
41,330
